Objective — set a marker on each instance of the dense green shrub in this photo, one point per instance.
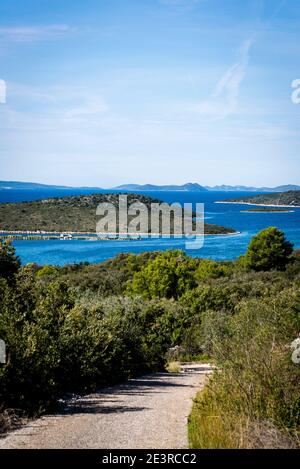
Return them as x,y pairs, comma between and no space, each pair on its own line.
9,262
169,275
59,339
47,271
212,269
269,249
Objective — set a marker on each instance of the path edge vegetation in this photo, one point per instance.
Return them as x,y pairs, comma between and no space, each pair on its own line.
78,328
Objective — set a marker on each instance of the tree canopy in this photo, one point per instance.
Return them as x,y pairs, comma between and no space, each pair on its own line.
268,250
9,262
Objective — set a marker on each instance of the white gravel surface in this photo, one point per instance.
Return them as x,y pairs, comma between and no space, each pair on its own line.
147,412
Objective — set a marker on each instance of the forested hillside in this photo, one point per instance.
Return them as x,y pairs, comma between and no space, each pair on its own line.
72,213
289,198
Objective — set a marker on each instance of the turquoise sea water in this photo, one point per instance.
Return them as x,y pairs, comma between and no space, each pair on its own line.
215,247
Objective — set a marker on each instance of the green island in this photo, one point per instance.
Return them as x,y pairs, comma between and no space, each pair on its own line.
73,214
280,199
80,327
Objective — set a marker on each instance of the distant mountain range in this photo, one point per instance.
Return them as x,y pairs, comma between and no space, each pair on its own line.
37,186
189,187
197,188
224,188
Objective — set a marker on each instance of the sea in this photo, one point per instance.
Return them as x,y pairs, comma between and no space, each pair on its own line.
224,247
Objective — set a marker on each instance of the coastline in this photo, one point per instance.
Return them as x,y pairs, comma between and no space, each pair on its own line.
257,205
267,211
90,236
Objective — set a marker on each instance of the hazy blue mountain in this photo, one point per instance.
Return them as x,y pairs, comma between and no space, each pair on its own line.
36,186
196,187
288,187
150,187
224,188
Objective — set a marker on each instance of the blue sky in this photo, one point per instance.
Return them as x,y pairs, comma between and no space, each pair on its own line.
103,92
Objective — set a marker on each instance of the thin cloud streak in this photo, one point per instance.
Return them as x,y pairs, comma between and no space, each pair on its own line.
224,99
35,33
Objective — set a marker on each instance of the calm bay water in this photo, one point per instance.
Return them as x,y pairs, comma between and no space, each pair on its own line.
215,247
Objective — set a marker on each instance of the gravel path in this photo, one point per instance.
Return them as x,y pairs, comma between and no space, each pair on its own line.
148,412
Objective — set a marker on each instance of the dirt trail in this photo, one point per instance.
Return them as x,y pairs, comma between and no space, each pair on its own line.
147,412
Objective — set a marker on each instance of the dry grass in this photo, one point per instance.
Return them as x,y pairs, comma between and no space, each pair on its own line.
208,428
173,367
265,435
211,427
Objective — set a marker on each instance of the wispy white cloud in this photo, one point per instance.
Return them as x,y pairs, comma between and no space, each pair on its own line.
63,106
93,107
35,33
231,81
224,98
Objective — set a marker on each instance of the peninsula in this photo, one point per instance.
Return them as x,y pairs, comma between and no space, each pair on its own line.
73,214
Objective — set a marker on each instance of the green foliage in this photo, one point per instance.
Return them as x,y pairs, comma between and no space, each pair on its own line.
9,262
212,269
268,250
57,342
169,275
30,323
47,271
